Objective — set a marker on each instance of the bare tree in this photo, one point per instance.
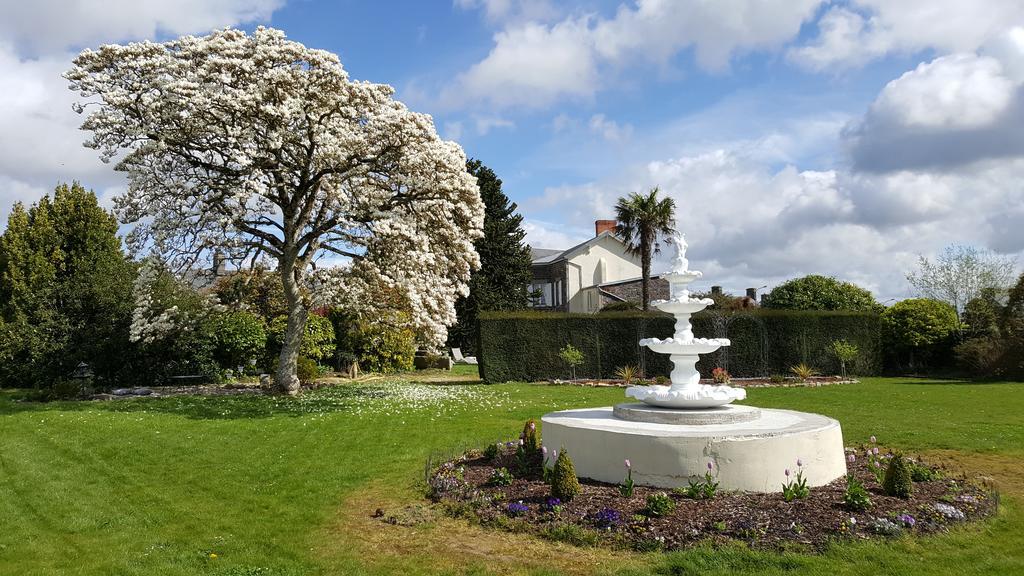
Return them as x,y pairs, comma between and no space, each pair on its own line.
960,273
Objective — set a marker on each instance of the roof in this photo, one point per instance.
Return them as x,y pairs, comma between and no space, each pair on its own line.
547,256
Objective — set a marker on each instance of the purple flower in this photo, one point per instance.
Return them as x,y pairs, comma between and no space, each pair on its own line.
873,440
544,450
554,453
551,504
517,508
875,451
710,466
628,465
606,518
851,458
907,519
533,426
787,472
799,463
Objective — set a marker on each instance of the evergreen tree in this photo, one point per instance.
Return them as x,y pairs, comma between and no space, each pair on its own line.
65,290
501,281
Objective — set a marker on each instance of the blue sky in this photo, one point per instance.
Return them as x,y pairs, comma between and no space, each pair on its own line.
797,136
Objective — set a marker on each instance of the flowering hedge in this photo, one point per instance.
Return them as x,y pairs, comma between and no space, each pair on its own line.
525,345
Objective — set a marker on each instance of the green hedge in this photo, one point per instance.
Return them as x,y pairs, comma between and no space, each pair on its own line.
524,345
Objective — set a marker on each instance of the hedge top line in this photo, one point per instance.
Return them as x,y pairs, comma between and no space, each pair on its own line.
627,314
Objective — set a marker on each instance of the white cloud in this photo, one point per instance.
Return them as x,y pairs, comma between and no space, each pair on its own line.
864,30
533,64
957,91
503,11
42,143
48,26
953,110
552,236
609,129
485,124
751,225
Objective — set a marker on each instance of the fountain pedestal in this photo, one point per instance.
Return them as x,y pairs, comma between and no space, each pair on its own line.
676,431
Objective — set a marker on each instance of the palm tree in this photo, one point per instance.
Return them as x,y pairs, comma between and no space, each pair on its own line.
642,220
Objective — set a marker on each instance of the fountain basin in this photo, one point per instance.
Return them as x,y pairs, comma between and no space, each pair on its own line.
694,396
748,455
691,347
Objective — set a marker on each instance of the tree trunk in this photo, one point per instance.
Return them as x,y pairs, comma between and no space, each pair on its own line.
645,274
286,378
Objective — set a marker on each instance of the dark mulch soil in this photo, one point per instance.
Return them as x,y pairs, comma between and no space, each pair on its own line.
761,520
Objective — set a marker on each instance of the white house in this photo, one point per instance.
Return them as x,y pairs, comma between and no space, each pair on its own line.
589,275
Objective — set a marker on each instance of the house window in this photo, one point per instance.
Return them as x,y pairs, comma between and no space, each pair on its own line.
542,294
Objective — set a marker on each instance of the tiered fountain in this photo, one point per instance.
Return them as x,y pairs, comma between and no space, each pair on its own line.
676,430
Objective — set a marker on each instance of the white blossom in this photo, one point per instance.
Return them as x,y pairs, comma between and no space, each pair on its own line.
254,145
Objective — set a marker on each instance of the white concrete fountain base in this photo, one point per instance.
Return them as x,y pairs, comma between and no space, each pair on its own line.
747,455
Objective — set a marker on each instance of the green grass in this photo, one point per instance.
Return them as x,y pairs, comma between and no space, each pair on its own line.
279,486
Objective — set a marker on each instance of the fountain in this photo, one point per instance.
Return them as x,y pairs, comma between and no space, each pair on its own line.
672,434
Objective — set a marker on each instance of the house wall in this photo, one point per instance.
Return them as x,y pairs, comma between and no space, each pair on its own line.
604,261
633,291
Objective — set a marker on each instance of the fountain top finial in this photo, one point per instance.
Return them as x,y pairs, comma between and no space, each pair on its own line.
680,263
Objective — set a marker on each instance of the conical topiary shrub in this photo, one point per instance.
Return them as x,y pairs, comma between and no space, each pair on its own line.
531,440
564,484
898,481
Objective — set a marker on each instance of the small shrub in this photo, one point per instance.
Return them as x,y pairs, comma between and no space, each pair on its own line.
702,489
501,477
306,369
491,452
531,440
845,352
856,496
572,357
803,372
627,373
897,481
564,484
659,504
662,380
777,379
720,376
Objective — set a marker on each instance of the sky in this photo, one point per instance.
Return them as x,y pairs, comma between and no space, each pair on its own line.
844,138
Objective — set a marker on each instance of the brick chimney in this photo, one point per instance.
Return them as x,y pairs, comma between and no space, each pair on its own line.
604,226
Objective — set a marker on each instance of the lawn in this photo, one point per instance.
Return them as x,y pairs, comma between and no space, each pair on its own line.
273,486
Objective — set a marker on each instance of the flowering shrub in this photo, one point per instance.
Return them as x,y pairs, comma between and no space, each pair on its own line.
856,496
659,504
515,509
448,478
794,489
501,477
720,376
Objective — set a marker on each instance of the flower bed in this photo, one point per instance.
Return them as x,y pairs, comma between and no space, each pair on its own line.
776,382
644,518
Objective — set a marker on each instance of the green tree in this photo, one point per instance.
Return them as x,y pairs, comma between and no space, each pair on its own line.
65,290
258,290
915,329
643,219
817,292
500,283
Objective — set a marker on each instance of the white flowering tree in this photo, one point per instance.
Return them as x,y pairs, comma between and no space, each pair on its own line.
255,146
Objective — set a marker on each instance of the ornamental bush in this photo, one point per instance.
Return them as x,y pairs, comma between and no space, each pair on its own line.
816,292
659,504
918,331
384,348
317,342
240,338
531,439
564,484
898,479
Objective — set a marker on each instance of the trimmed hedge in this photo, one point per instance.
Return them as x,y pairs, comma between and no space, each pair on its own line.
524,346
